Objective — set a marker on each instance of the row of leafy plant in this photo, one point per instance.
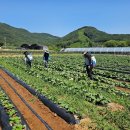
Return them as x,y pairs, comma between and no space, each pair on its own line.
117,62
14,118
65,83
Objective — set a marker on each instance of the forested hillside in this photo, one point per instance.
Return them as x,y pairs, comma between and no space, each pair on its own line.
17,36
83,37
89,36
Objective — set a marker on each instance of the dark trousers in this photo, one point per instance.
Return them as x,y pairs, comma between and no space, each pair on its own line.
89,71
46,63
29,64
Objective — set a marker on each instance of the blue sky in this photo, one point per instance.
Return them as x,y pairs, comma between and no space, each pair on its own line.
60,17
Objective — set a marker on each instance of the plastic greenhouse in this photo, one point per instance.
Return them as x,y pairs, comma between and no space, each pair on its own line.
122,50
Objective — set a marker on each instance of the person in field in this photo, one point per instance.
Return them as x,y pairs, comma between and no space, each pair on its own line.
28,59
90,63
46,58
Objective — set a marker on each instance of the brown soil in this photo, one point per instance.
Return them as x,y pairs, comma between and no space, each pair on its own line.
34,123
0,126
123,89
115,107
121,81
85,124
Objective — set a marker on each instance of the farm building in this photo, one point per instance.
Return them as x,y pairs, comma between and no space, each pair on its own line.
122,50
34,46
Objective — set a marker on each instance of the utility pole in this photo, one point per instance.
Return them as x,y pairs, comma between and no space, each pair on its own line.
5,42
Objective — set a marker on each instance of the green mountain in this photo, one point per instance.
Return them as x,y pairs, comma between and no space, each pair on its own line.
89,36
100,36
17,36
75,39
83,37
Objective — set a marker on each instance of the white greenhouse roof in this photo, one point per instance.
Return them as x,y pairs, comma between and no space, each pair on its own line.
98,49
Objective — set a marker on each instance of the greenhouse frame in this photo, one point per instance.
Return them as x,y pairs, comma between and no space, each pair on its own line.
122,50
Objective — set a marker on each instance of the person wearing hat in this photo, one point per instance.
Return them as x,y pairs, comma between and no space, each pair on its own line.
88,64
28,58
46,58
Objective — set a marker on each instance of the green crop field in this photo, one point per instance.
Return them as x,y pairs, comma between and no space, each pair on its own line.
105,100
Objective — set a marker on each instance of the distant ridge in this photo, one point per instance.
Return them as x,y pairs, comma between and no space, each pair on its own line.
18,36
86,36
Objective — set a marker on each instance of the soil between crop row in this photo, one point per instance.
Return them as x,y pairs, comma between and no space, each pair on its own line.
123,89
0,126
34,123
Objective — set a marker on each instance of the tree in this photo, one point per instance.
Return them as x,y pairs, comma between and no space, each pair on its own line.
1,44
26,46
128,43
122,44
111,43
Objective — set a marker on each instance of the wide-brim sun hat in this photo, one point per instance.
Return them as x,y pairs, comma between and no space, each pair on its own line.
85,52
46,51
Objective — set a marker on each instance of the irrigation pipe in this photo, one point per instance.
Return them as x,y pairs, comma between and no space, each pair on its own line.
47,126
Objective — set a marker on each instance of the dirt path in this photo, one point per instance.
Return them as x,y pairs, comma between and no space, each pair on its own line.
123,89
34,123
0,126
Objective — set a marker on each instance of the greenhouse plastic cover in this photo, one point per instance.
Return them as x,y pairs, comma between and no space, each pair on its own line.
98,49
